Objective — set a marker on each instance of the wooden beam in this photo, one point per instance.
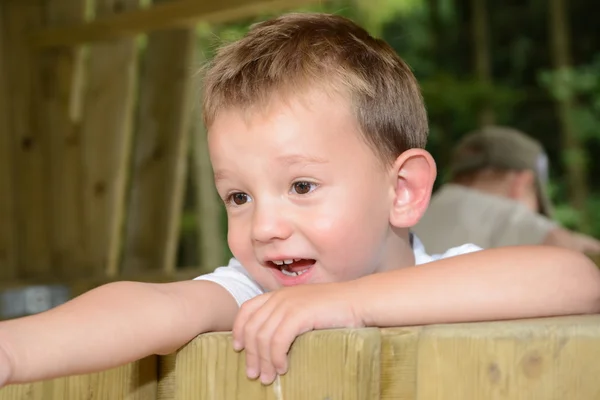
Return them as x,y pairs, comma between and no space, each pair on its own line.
133,381
106,131
160,152
547,358
62,79
182,13
326,364
8,226
29,141
212,243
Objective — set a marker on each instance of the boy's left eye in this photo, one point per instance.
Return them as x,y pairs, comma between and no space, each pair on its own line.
303,187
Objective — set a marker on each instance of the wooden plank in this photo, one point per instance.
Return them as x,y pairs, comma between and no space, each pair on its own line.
160,152
166,377
328,364
30,143
551,359
181,13
106,133
398,363
8,227
62,68
209,207
134,381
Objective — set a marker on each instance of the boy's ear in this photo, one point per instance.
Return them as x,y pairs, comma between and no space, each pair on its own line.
414,174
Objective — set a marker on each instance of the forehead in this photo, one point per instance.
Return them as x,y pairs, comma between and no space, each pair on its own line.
313,122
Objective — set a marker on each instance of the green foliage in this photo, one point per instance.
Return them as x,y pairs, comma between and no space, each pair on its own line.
581,86
374,14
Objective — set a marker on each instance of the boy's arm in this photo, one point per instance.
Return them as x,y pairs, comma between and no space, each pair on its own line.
112,325
503,283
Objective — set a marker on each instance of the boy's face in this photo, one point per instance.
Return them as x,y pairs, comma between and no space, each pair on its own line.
301,184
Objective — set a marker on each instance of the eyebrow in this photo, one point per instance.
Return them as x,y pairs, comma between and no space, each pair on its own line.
291,159
287,159
219,175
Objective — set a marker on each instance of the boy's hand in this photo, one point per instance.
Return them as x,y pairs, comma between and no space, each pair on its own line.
267,325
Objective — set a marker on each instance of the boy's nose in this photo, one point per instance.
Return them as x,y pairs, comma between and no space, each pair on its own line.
269,223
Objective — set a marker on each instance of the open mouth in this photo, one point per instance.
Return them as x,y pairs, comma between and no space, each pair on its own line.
293,267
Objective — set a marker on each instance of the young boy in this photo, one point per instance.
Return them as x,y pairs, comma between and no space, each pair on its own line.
316,136
497,197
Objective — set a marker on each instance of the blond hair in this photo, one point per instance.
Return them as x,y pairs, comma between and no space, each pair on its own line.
297,52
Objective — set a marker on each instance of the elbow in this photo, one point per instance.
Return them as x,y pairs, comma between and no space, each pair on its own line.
584,287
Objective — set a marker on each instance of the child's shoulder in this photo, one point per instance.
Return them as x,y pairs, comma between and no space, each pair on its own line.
236,280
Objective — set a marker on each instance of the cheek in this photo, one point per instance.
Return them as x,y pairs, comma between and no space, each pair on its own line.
352,233
238,239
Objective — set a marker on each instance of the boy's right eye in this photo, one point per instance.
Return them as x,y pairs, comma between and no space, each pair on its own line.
238,198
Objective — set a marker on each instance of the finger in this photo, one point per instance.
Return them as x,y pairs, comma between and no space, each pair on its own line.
250,331
264,338
291,326
244,314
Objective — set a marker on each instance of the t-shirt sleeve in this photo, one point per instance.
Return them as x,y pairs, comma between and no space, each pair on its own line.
518,225
236,280
421,256
456,251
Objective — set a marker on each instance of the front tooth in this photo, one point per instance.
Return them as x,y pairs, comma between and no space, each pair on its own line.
278,262
288,261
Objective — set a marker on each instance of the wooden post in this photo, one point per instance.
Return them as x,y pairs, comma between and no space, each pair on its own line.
553,358
547,358
209,207
106,133
62,90
332,364
133,381
28,141
399,355
167,15
160,152
8,226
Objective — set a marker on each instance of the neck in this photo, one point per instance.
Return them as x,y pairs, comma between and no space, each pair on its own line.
398,252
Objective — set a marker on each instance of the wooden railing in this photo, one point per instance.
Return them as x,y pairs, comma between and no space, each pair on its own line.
550,358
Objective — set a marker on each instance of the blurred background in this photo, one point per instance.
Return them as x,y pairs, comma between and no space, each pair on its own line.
103,168
533,65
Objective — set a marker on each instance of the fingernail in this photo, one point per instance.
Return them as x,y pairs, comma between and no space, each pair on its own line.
265,380
252,373
282,370
236,345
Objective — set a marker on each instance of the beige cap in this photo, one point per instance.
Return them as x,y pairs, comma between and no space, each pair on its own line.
505,148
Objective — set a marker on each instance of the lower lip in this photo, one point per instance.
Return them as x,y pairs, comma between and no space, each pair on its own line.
286,280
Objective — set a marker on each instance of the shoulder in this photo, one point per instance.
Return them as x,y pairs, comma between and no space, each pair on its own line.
421,256
236,280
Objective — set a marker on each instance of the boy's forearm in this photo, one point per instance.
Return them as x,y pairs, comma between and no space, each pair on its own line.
507,283
108,326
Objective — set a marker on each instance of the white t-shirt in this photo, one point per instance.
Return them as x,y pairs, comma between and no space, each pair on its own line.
237,281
